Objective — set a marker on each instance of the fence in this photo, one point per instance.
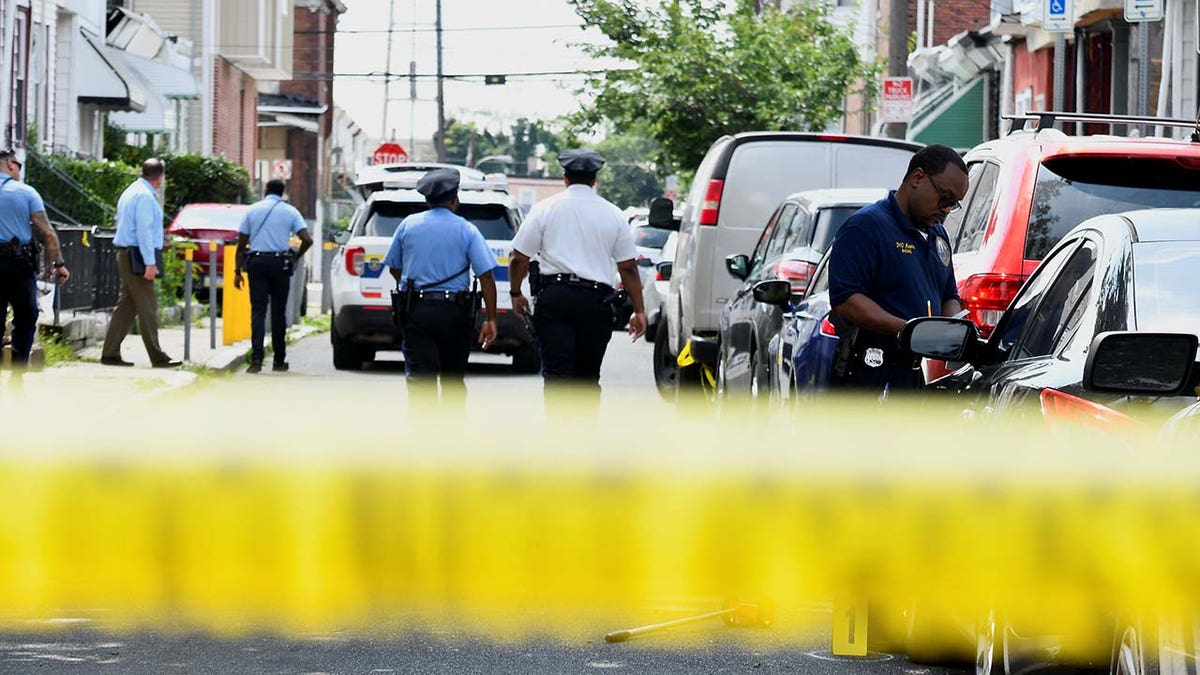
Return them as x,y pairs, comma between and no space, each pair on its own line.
92,260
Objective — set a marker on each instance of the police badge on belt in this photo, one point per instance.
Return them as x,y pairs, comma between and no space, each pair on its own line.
873,357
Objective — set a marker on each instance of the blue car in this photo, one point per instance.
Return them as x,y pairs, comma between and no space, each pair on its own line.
803,350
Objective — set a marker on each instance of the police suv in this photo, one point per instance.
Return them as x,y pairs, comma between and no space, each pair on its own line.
361,284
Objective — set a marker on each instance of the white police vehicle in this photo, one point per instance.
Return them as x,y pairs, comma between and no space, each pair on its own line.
361,285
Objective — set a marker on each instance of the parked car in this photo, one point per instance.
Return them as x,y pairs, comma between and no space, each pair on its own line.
656,297
1030,188
789,248
737,186
361,285
1109,276
201,223
650,241
801,355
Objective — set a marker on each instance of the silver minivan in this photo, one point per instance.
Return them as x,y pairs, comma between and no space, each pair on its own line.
740,182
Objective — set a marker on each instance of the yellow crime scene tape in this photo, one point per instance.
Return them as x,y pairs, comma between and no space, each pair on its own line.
505,524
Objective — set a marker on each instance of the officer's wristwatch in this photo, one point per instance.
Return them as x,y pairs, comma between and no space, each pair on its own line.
515,292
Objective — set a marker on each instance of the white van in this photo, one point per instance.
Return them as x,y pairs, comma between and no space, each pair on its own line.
738,185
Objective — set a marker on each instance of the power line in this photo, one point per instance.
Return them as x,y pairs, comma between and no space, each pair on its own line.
456,76
460,29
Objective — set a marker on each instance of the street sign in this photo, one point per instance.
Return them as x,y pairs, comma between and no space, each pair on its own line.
281,169
1143,10
1058,16
897,99
389,153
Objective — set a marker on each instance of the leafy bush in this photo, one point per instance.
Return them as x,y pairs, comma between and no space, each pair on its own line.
104,179
193,178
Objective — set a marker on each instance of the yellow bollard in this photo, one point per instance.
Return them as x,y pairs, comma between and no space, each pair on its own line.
235,307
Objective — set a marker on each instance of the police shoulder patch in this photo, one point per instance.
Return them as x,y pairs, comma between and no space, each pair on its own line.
943,250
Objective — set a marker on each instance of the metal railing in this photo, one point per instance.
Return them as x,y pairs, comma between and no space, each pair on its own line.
92,259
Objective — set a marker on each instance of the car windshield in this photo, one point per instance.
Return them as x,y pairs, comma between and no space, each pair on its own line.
829,221
491,219
210,218
1070,190
650,237
1165,296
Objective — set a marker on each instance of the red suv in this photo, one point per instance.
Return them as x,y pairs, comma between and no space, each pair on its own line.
1030,188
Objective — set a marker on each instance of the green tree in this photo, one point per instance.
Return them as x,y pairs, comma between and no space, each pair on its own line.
460,136
629,176
703,68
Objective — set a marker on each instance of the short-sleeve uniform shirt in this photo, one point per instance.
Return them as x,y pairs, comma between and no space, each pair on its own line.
270,224
577,232
18,203
878,252
437,245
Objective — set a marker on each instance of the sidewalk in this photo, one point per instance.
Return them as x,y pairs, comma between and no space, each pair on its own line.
171,340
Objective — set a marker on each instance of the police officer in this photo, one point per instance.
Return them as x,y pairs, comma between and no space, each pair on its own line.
266,230
431,255
21,206
890,263
577,236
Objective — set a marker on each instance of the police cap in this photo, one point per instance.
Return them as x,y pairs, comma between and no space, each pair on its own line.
581,160
439,185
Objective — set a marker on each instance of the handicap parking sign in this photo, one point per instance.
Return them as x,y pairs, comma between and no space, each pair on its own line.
1058,16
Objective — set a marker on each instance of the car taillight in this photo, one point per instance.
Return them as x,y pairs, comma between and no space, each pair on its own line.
658,275
797,272
712,202
356,260
1059,406
986,296
827,328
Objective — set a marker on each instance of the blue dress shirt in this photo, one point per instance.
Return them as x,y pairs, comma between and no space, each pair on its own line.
18,203
140,220
270,224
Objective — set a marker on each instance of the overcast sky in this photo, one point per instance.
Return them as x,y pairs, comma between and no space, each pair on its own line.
480,36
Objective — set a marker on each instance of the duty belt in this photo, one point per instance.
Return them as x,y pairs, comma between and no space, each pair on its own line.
442,296
573,280
270,254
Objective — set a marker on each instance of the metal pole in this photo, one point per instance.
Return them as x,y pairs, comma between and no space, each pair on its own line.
212,294
441,95
1060,74
897,52
387,69
187,304
1143,74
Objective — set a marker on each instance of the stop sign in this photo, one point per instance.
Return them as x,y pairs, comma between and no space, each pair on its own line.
389,153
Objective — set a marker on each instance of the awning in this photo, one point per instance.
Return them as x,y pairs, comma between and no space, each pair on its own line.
957,122
282,110
152,120
163,79
104,79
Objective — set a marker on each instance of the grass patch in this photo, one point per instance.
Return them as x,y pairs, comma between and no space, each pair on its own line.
56,351
322,322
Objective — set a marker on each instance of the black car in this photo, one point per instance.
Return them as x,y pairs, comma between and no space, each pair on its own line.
790,247
1102,325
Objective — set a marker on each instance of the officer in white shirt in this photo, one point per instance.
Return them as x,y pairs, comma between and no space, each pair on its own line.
577,236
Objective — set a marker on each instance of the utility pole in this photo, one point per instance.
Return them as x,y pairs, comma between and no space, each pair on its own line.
441,94
387,69
897,52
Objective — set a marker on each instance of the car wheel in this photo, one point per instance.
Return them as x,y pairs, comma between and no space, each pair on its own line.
1134,651
666,370
346,356
755,382
527,360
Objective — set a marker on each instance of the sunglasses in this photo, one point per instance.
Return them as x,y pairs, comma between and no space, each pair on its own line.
944,200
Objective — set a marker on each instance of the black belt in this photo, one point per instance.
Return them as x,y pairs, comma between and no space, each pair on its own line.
442,296
572,280
269,254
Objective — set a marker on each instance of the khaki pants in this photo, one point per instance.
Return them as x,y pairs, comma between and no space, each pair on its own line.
137,300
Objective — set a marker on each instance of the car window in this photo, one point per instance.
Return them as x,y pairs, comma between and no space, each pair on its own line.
1070,190
820,282
783,215
491,219
1016,317
650,237
829,221
1052,317
974,223
1165,297
954,221
201,218
797,234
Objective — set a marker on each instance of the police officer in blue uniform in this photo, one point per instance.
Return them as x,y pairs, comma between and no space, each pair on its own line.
578,238
264,251
432,256
22,210
890,263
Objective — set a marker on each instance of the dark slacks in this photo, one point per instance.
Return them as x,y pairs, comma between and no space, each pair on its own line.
573,325
437,342
269,285
18,289
137,300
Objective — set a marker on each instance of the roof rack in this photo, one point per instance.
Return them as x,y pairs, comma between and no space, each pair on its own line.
1046,119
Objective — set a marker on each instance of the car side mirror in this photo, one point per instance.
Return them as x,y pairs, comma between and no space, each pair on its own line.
1130,362
662,214
939,337
664,269
645,262
341,237
738,266
773,292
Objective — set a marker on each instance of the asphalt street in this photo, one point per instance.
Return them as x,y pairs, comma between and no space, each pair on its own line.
799,642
